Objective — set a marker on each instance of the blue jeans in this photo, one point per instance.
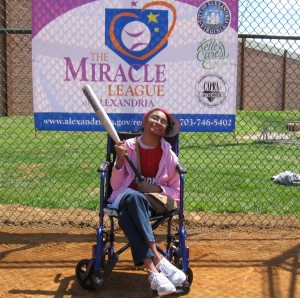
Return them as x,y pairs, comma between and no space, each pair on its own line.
134,213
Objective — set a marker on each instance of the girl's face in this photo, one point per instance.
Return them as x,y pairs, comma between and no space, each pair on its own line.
157,123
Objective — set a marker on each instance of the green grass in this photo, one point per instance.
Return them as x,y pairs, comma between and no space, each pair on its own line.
48,169
225,173
237,178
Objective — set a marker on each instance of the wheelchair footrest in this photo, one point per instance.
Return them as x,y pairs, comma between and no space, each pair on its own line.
110,266
181,290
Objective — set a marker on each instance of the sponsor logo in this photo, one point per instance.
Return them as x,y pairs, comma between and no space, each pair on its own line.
211,90
211,53
213,17
137,35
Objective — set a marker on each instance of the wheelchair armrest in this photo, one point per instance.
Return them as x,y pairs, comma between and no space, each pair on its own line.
104,166
181,168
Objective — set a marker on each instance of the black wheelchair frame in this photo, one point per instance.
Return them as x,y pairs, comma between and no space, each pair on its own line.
92,273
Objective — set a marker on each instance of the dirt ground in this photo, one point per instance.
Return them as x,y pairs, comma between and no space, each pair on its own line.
226,262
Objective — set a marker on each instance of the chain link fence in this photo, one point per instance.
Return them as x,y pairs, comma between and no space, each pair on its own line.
51,177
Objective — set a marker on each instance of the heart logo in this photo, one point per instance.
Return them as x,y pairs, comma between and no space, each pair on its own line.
160,44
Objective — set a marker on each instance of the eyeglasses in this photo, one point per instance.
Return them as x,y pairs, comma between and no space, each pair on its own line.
156,118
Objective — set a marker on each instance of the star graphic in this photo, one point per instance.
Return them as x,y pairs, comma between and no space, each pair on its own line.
133,3
152,17
156,29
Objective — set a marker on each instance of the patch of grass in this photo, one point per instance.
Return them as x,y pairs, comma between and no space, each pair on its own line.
237,178
49,169
59,169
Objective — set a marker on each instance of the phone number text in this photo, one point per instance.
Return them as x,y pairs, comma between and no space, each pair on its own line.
206,122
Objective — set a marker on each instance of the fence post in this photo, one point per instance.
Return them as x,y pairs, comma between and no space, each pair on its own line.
242,73
3,93
283,80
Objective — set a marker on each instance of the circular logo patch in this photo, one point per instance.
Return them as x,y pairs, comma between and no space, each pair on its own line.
211,90
213,17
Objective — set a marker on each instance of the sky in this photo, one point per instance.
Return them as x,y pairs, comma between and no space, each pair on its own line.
271,17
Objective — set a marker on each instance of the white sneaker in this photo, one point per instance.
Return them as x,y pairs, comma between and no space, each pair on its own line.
175,276
160,283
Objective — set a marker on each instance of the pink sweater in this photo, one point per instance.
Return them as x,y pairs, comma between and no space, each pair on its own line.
167,176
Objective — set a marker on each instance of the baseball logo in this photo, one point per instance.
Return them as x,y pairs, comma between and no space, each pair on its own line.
136,36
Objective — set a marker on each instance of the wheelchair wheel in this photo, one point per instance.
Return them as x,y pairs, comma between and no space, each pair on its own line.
189,275
186,286
86,280
177,261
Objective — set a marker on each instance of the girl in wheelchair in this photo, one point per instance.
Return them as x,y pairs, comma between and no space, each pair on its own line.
158,167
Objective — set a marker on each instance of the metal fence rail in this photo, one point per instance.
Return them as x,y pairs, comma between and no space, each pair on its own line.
50,177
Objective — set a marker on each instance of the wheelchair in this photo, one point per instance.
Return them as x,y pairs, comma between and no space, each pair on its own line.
92,273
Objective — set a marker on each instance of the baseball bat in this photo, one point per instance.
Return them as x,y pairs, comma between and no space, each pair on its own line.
99,110
106,122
